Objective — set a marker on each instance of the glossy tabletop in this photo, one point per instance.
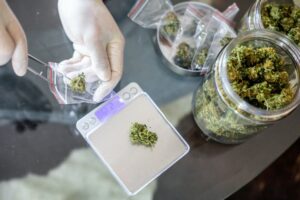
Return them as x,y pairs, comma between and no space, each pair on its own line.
37,135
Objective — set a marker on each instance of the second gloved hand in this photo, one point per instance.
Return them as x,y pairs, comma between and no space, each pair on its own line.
98,43
13,44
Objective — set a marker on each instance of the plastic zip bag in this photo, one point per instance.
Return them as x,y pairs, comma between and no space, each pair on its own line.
222,37
211,41
181,33
231,12
192,27
157,13
192,21
148,13
62,91
215,21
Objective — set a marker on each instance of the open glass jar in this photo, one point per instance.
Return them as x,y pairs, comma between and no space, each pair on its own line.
226,117
287,17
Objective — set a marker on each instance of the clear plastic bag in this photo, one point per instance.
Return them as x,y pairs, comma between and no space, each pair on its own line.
170,26
192,21
185,34
157,13
60,89
64,93
148,13
192,27
212,40
231,12
222,37
183,52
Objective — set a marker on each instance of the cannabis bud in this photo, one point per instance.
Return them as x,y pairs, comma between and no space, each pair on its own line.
139,134
294,34
184,55
260,76
201,57
171,24
78,84
284,18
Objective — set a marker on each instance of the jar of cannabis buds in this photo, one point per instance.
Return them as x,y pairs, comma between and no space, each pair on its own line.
253,84
278,15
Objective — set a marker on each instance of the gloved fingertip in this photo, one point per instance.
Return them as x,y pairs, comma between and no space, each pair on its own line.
20,68
66,81
61,68
105,75
20,72
100,94
98,97
4,59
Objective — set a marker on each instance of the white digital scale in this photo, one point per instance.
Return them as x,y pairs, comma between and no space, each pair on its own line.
107,130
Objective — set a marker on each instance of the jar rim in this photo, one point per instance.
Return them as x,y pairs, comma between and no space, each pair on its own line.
257,18
265,35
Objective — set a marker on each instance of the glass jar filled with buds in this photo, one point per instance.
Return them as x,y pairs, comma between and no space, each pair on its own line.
253,84
278,15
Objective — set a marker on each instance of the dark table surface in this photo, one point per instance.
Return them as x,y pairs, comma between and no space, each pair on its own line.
36,134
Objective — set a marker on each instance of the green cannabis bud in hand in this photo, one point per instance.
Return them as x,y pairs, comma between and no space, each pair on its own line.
78,84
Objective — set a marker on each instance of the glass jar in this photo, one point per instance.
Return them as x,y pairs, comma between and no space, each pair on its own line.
224,116
252,19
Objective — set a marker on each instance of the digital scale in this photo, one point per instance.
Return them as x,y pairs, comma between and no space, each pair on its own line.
107,130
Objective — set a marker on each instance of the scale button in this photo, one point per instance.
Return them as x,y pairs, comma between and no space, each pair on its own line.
85,126
133,90
126,96
92,121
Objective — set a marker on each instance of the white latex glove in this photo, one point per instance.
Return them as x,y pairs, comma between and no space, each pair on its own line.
13,44
98,43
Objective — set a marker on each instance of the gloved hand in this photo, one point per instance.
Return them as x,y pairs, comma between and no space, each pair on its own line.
13,44
98,43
